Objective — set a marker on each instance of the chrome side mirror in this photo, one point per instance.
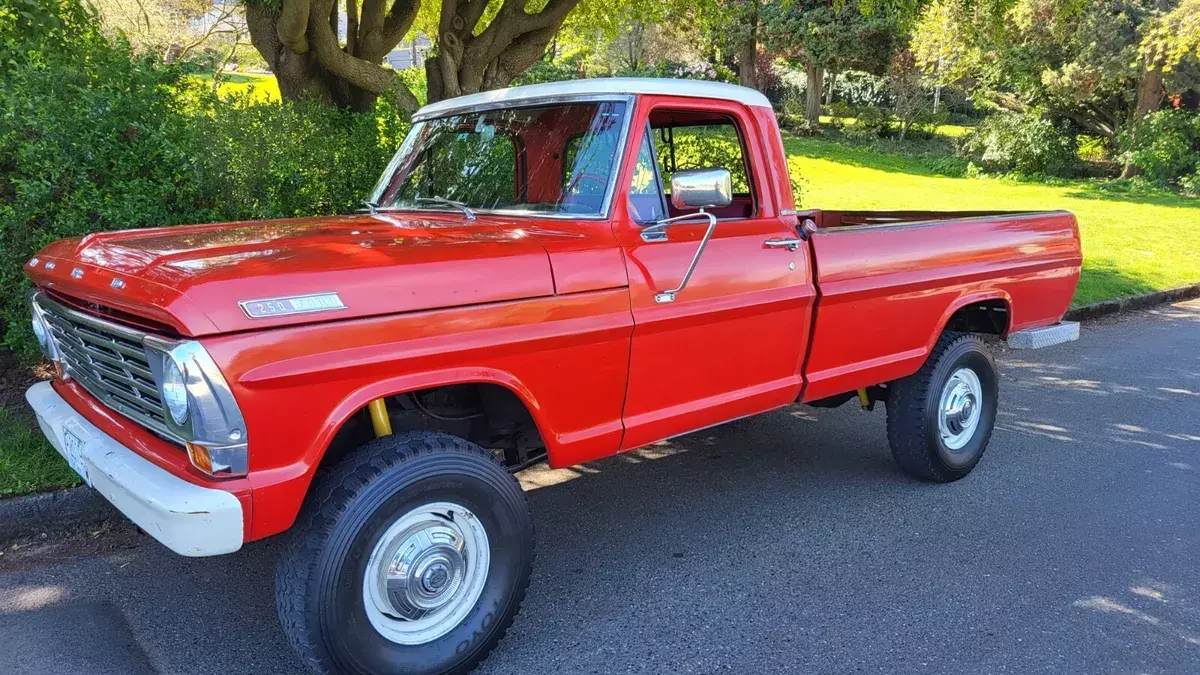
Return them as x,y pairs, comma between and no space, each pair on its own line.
701,188
692,189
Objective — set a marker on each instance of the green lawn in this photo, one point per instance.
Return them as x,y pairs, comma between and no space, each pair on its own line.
262,86
947,130
27,462
1132,242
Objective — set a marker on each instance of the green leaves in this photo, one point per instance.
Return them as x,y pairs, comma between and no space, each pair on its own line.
93,139
1165,145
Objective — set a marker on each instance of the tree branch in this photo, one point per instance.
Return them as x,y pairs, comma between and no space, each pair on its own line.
292,25
362,74
398,21
352,27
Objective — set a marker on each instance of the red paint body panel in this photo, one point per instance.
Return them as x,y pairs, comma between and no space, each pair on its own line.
559,311
887,290
384,264
732,342
565,357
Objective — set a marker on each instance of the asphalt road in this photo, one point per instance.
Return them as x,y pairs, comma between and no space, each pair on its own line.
785,543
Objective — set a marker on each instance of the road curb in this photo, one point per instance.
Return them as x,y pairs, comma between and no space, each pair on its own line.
83,507
1107,307
75,507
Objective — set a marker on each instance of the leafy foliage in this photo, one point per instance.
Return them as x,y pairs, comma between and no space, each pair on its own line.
869,122
93,138
1165,145
1029,143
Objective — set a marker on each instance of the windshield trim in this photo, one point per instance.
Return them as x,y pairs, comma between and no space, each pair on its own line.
622,138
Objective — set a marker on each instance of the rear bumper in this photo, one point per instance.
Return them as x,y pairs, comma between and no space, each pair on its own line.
1046,336
186,518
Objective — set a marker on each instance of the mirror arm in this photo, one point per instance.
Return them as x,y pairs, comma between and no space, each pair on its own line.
658,231
669,296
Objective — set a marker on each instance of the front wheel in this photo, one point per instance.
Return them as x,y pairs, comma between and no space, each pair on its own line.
940,418
412,555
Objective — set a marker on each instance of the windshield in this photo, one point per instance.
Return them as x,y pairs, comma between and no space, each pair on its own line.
550,159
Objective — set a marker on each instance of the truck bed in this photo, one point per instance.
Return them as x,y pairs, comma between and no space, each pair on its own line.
890,281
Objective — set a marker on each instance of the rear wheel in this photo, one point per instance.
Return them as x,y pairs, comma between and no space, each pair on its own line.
940,419
412,555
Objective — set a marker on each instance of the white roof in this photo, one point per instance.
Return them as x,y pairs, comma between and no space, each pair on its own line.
600,86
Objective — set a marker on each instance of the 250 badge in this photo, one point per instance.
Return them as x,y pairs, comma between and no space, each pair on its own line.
294,304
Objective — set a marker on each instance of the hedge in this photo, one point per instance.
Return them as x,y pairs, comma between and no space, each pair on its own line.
94,138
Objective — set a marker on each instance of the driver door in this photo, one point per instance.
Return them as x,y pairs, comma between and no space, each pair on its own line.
731,343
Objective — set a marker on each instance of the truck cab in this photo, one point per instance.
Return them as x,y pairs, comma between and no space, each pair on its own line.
554,273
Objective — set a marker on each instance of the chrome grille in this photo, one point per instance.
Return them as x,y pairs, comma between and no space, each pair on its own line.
109,361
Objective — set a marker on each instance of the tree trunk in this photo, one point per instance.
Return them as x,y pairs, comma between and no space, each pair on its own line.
747,75
813,90
298,75
832,83
471,60
1149,96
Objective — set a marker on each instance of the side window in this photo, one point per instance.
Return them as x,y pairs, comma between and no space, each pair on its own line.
646,203
703,145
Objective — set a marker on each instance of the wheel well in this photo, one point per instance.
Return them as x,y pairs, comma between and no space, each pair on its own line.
487,414
986,316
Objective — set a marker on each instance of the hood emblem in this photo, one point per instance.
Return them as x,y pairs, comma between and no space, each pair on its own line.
117,283
77,273
292,304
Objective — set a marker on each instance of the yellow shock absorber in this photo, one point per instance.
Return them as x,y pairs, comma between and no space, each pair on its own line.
379,418
864,400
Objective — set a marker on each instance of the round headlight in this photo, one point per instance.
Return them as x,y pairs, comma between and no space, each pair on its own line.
174,391
39,331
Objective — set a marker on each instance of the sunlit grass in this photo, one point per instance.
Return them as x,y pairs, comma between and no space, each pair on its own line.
947,130
27,462
1133,242
262,87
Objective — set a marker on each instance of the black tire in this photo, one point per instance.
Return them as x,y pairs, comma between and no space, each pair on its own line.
319,580
912,411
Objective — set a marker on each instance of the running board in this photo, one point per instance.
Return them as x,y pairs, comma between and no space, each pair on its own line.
1036,338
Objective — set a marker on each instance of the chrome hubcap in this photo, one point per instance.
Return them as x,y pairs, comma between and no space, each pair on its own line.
960,408
426,573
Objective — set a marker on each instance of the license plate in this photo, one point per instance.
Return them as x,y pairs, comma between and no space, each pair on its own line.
73,445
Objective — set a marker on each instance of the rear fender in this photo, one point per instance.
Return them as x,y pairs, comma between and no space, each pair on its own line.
962,301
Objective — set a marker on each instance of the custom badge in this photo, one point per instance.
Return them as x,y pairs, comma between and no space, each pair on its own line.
294,304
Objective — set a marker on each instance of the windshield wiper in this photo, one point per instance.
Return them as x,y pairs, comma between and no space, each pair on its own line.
448,202
372,207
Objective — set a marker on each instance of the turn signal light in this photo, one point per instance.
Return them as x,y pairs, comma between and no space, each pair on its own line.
200,456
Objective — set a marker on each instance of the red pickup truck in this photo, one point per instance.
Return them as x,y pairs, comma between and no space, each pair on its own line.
558,272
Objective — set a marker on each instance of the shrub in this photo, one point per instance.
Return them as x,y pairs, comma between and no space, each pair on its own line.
1165,145
861,89
870,122
928,121
1026,142
93,139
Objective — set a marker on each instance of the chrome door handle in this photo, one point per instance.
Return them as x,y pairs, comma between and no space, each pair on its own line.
789,244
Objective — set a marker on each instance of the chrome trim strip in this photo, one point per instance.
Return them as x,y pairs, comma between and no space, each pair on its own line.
516,104
631,86
929,222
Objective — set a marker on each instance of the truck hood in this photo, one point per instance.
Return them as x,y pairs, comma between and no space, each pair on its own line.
193,278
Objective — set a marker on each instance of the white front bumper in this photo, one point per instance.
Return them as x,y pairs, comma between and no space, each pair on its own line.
188,519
